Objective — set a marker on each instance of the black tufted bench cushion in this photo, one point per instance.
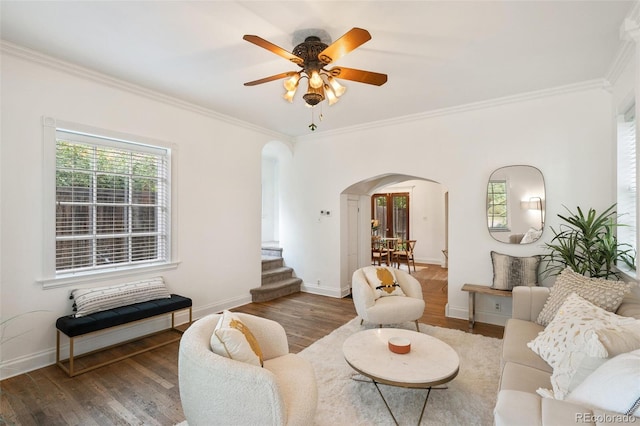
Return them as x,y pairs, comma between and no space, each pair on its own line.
75,327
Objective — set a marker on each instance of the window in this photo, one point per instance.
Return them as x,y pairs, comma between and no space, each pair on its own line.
497,214
627,188
112,210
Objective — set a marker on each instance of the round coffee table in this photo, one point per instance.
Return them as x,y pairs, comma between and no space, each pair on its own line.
430,363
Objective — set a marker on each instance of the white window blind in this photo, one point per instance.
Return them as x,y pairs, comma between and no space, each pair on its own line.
627,185
111,203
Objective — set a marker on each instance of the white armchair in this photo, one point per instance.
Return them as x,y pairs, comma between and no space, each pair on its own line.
391,309
219,390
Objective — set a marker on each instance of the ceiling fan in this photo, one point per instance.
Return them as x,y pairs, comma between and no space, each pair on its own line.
312,55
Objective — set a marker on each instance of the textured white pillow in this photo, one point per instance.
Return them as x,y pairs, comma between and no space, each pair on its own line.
572,337
383,281
512,271
233,339
531,236
614,386
90,300
607,294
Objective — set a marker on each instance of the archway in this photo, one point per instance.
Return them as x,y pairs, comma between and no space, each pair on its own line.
428,216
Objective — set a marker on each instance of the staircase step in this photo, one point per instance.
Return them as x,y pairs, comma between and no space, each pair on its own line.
271,262
276,289
276,274
272,251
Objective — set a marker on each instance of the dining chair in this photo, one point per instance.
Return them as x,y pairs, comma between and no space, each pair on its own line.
379,251
404,253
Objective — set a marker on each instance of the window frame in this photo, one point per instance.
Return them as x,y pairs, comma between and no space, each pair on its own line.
50,278
626,121
491,203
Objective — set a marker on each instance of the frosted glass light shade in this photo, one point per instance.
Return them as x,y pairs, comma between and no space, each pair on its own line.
316,81
338,88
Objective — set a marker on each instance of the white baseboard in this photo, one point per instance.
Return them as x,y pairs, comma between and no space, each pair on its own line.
486,317
322,291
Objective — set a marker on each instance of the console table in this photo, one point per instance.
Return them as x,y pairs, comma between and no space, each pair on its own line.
482,289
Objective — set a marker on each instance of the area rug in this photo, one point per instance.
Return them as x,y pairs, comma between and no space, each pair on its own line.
469,399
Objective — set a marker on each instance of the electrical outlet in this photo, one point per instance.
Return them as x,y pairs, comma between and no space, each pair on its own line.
318,282
497,307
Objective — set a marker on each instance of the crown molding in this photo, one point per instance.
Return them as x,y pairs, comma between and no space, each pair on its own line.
629,33
623,56
79,71
491,103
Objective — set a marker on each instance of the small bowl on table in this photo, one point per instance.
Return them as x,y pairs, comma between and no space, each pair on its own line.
399,345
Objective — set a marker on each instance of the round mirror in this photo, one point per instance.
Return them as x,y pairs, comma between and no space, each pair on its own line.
515,204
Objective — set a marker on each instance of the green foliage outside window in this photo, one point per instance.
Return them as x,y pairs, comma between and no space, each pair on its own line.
497,205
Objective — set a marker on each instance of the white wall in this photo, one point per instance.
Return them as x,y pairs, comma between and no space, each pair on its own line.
218,196
565,133
269,199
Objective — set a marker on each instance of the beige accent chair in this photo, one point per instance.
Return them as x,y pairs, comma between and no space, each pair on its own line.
218,390
390,309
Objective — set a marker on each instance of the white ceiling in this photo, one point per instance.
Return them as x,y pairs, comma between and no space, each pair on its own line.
437,54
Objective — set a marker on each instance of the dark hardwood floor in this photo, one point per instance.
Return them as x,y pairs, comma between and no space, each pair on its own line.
143,390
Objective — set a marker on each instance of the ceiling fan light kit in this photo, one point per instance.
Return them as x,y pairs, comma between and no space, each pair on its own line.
312,55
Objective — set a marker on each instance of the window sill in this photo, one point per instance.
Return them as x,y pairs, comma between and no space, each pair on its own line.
85,277
628,274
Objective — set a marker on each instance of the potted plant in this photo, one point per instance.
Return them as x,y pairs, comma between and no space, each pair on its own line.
588,245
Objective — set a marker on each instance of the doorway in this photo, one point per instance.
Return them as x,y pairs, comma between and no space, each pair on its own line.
425,222
391,212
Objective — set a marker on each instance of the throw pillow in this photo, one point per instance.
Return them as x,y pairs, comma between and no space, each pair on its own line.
607,294
571,339
91,300
531,236
616,340
614,386
383,281
512,271
233,339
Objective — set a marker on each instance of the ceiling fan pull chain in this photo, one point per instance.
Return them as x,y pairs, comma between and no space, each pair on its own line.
312,126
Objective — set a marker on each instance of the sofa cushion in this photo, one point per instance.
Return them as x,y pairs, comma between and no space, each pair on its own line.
607,294
555,412
517,333
523,378
515,407
630,306
512,271
523,409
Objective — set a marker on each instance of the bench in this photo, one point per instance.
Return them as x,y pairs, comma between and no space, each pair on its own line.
74,327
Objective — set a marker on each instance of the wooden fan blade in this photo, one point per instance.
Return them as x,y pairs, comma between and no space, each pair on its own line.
361,76
273,77
345,44
258,41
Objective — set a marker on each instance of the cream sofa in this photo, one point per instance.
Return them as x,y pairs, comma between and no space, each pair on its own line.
523,371
218,390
